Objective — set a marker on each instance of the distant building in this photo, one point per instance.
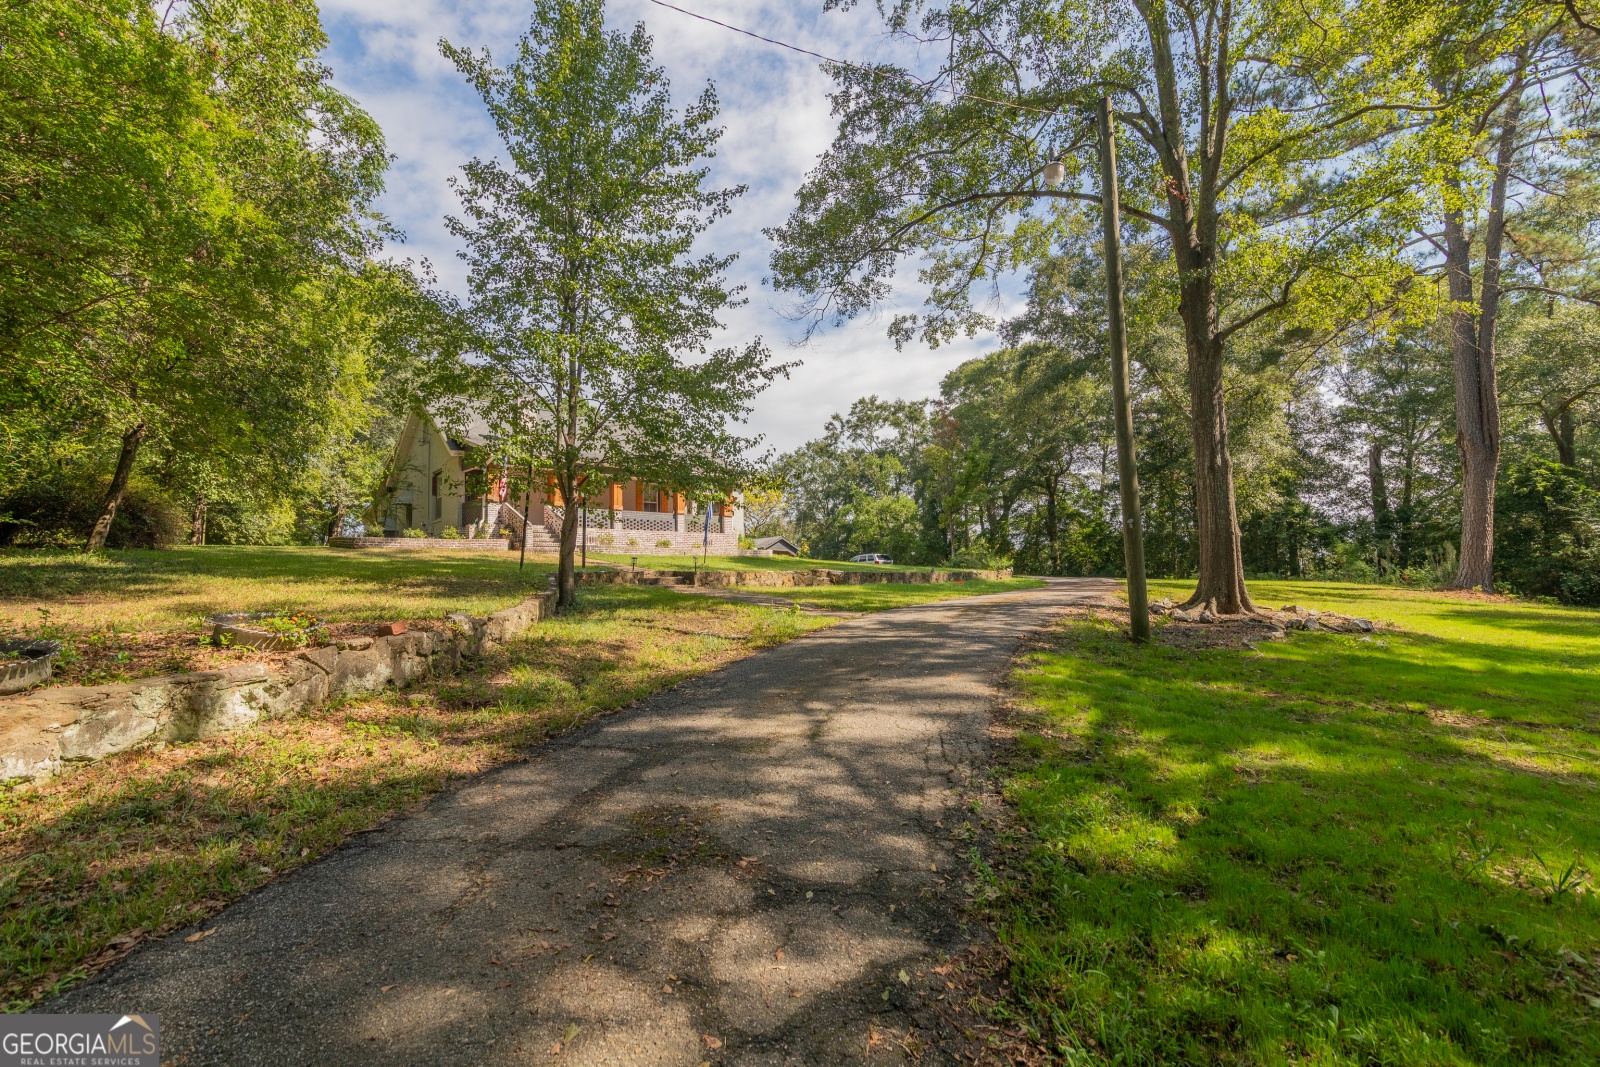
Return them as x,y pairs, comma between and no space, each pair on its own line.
436,481
778,546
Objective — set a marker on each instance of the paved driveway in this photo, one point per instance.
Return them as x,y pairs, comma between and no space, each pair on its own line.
737,871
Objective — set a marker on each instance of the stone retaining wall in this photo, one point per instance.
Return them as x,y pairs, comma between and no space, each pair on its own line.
47,731
476,544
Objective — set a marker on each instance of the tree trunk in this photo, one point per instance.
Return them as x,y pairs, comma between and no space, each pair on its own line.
119,484
1052,527
197,528
1221,585
567,570
1472,343
1382,517
1565,433
335,522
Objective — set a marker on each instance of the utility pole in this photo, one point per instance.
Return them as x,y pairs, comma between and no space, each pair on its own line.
1127,468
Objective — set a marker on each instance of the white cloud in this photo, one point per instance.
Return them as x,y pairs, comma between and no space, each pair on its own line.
774,108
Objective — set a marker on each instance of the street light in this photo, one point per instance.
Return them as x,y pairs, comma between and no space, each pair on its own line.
1055,172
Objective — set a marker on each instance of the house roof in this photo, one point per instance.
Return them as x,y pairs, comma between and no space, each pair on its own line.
776,544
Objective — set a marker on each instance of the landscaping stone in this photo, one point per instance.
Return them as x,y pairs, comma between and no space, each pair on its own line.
48,730
391,629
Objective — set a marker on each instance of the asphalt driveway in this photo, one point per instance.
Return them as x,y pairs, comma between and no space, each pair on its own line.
758,867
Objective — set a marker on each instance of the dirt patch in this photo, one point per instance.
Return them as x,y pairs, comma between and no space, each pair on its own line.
1227,632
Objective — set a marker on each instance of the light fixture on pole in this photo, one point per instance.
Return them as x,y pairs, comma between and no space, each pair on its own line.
1055,172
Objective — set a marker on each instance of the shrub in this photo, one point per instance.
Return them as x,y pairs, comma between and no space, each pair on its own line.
59,509
450,533
1547,533
980,557
665,542
414,532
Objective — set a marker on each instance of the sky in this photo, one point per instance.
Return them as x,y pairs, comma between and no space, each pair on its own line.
775,111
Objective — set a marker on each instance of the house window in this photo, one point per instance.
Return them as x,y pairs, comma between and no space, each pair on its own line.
438,504
652,500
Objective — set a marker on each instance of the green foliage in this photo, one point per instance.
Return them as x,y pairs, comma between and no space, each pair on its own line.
1547,532
590,311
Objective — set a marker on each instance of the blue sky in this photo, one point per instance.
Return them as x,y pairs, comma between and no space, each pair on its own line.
775,110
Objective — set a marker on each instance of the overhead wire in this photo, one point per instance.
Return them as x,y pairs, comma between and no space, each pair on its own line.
881,72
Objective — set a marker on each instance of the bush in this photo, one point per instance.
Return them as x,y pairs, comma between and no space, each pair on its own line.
980,557
59,510
414,532
1547,533
450,533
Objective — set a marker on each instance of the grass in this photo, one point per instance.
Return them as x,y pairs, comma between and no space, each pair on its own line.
172,589
743,563
1337,851
152,840
893,595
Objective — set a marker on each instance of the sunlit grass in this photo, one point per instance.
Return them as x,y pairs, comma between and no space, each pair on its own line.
742,563
884,597
1338,851
173,589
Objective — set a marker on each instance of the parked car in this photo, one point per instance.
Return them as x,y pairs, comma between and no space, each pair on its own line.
871,557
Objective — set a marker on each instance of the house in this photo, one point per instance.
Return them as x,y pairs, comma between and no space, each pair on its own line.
778,546
437,481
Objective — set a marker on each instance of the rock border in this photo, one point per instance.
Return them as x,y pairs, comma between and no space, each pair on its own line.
48,731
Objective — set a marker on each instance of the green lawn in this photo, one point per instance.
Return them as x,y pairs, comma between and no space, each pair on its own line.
743,563
884,597
1338,851
173,589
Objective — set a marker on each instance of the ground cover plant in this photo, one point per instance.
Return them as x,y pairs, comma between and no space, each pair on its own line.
1338,849
136,613
150,841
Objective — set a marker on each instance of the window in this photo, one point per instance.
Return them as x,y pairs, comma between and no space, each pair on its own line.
438,504
652,500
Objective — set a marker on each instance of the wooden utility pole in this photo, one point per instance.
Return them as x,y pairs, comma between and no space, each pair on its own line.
1127,468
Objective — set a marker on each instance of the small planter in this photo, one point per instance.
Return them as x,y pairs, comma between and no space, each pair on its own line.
269,631
35,666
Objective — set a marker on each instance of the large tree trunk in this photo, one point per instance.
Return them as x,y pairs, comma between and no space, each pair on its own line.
1472,343
1382,517
119,485
1563,430
1221,585
197,527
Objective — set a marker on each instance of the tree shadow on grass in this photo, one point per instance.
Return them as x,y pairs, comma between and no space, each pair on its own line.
1223,875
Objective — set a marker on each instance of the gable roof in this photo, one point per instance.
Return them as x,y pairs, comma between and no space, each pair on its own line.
776,544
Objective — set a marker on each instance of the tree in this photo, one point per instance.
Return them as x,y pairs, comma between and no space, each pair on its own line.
1513,117
590,311
1553,370
174,262
1269,154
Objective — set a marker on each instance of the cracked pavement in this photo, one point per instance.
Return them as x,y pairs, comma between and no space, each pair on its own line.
759,867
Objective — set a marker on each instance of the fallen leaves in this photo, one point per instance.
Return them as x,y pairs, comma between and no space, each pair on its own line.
201,935
711,1042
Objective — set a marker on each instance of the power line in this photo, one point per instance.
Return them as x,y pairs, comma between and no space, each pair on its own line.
918,82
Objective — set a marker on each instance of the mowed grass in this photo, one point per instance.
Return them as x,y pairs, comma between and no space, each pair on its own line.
68,592
1338,851
893,595
149,841
740,563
